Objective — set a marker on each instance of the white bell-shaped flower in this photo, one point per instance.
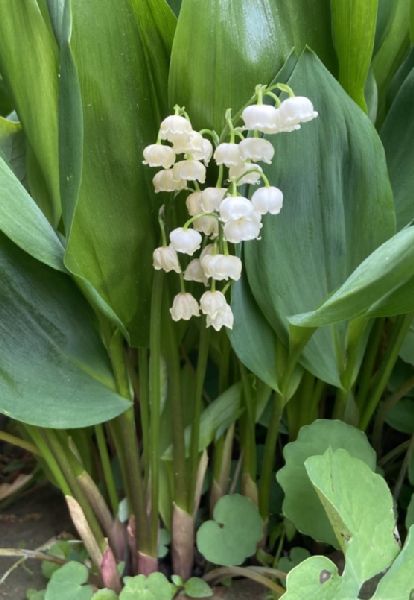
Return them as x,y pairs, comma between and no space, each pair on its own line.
235,207
209,249
212,302
222,266
297,109
184,307
281,125
190,170
246,173
194,144
268,200
227,154
165,258
257,149
195,272
243,229
185,240
174,126
158,155
193,203
259,117
223,318
164,181
207,224
211,198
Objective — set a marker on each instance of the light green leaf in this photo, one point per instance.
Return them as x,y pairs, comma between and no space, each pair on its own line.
195,587
235,45
397,134
317,577
301,504
67,583
105,594
398,582
296,556
360,509
407,348
353,28
234,533
29,67
401,416
154,587
335,213
54,369
35,594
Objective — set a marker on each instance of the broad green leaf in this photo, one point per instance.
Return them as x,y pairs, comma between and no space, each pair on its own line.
398,582
154,587
234,46
12,147
6,104
397,134
360,509
317,577
195,587
22,221
68,583
401,416
353,28
382,285
335,213
54,370
234,533
122,63
29,67
409,519
301,504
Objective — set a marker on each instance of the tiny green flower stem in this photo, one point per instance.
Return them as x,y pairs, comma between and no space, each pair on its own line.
213,134
283,87
106,467
36,434
262,176
274,97
269,456
15,441
197,216
198,402
401,327
219,183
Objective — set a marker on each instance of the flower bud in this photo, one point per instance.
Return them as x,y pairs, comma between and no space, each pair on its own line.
174,126
257,149
164,181
195,272
243,229
234,207
157,155
222,267
184,240
165,258
190,170
184,307
297,109
259,117
227,154
246,173
211,198
268,200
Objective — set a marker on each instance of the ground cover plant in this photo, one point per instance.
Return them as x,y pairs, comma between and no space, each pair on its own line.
207,291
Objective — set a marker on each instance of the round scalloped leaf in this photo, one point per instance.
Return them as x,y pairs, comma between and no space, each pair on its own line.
154,587
105,594
195,587
68,583
234,533
301,504
316,577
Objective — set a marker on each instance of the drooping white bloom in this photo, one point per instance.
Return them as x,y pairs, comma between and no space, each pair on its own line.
190,170
222,267
207,224
246,173
193,203
227,154
281,125
194,144
257,149
235,207
223,318
259,117
164,181
195,272
184,240
159,155
165,258
174,126
184,307
211,198
297,109
243,229
212,302
268,200
209,249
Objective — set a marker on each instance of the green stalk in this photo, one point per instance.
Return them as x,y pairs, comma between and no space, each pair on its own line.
269,456
143,395
49,458
15,441
368,365
107,468
198,403
399,332
301,408
248,439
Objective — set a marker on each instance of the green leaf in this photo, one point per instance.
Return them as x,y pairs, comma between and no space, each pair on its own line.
12,147
234,534
23,222
360,509
195,587
234,46
105,594
122,62
35,594
398,583
397,133
407,348
296,556
335,213
317,577
164,540
382,285
154,587
67,583
54,369
301,504
409,519
353,28
29,67
401,416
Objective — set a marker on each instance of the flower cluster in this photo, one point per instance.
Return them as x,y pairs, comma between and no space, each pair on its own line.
219,215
